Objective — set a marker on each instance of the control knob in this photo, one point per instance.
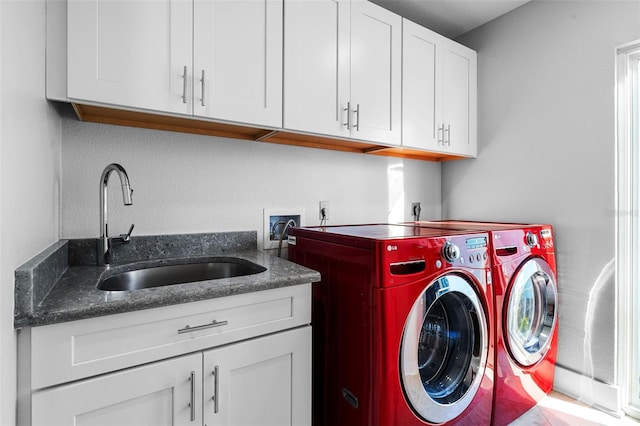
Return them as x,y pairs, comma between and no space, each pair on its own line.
450,252
531,239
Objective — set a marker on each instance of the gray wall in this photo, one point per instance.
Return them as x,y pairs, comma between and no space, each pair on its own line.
189,183
546,153
30,136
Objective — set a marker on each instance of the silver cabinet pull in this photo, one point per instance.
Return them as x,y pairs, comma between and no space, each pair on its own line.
202,80
441,132
348,111
214,323
192,404
448,132
216,385
184,85
357,111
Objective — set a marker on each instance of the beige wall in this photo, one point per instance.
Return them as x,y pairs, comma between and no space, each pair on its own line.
30,135
546,153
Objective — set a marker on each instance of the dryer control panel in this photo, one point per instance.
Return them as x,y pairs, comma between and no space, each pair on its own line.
411,259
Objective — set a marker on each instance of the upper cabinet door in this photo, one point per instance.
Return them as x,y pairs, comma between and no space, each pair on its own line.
237,60
460,98
421,99
130,53
316,66
439,90
376,43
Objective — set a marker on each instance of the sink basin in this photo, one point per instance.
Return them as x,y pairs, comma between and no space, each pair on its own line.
178,274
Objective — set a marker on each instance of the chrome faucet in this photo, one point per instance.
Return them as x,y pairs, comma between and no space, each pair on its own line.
104,243
286,224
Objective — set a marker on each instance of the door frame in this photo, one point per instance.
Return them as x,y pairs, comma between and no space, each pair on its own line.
627,194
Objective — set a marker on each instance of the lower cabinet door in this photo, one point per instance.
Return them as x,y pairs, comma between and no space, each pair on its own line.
163,393
264,381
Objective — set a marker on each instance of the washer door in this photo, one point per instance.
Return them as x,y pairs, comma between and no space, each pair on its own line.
531,312
444,347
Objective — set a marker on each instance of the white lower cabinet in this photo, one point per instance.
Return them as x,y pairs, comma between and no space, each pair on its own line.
155,395
263,381
235,360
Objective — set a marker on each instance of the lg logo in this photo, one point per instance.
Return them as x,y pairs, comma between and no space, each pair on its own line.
392,248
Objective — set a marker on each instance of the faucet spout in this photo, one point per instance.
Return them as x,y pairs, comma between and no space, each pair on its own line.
104,255
287,224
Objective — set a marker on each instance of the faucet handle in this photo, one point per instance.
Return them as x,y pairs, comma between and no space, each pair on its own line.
127,237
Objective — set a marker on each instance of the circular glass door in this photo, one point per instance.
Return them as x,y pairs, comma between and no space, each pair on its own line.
444,347
531,312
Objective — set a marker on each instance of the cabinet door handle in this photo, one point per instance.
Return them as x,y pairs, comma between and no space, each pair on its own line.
357,111
214,323
216,386
441,132
448,134
184,85
192,404
202,80
348,111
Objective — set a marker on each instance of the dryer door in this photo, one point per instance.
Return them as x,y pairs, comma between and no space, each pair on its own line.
444,349
530,316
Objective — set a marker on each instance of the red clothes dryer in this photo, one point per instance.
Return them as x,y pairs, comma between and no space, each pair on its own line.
525,290
402,324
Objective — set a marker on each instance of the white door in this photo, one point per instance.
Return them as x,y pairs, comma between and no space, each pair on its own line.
376,43
421,101
459,98
163,393
316,66
238,61
264,381
130,53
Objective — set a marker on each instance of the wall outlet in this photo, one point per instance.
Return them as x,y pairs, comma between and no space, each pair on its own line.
323,210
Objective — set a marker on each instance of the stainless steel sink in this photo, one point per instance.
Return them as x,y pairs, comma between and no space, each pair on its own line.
178,274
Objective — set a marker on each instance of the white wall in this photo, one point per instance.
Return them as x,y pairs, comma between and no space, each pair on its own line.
189,183
30,135
546,153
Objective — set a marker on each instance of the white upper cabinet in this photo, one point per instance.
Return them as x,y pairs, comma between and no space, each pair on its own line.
439,95
238,60
376,80
459,99
218,59
130,53
342,69
316,66
421,112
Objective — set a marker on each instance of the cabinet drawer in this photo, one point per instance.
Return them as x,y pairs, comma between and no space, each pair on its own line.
78,349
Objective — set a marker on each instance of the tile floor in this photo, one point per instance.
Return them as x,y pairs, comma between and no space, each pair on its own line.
560,410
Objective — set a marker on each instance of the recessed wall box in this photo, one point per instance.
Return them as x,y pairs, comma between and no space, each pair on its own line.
274,222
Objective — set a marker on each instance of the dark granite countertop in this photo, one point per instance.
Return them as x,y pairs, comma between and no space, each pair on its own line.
60,284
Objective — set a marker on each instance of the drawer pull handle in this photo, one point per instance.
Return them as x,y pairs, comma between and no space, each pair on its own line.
348,111
214,323
216,389
192,404
184,85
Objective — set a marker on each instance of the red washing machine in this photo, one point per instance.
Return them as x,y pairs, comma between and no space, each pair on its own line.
402,324
526,293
